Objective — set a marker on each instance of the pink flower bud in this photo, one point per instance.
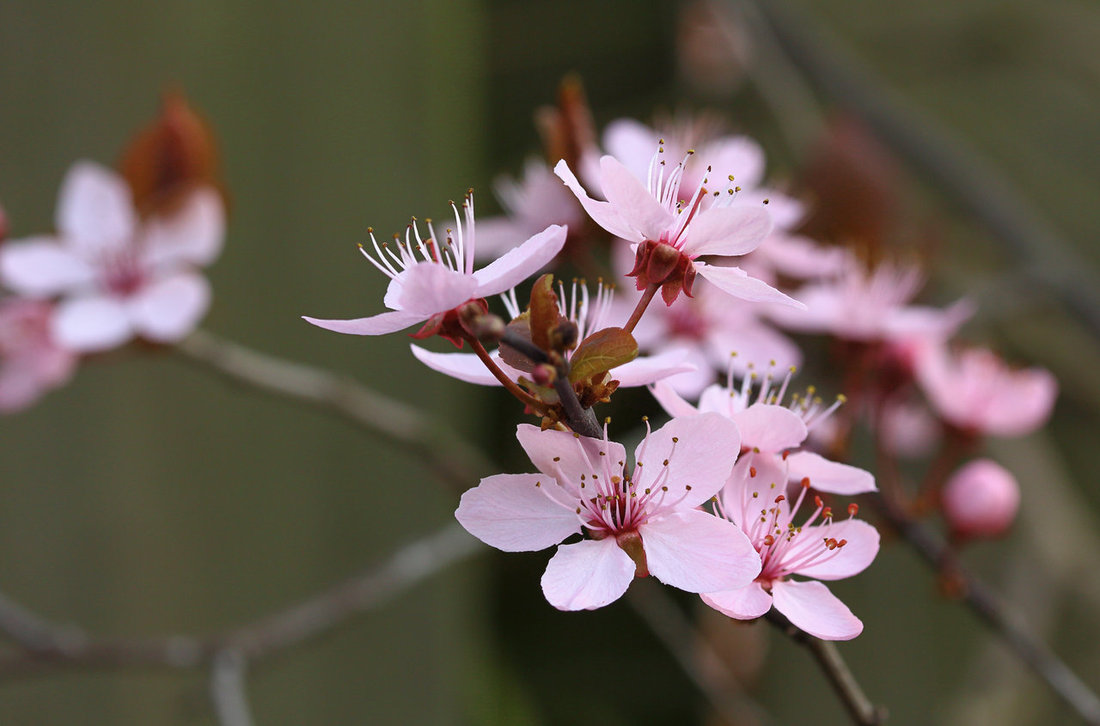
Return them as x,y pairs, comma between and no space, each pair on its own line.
980,500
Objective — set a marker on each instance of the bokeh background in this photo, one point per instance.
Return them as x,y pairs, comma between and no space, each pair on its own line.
149,496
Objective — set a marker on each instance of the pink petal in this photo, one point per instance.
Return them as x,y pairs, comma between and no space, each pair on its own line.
671,401
587,575
829,476
428,289
40,267
632,200
89,324
770,428
851,559
380,324
744,603
632,143
464,366
756,472
735,281
602,213
193,234
514,513
728,231
520,263
698,462
647,369
1024,405
698,552
567,457
95,209
737,155
811,607
168,309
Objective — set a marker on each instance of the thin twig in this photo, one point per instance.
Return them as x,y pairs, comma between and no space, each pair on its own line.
228,689
449,458
859,707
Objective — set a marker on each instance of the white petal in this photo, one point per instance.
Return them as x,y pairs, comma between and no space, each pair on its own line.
811,607
40,267
521,263
428,289
379,324
829,476
698,552
671,401
728,231
735,281
464,366
90,324
745,603
567,457
168,309
95,209
632,200
602,213
646,369
193,234
632,143
699,460
587,575
513,512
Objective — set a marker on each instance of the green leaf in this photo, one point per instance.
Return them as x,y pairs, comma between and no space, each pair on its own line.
600,352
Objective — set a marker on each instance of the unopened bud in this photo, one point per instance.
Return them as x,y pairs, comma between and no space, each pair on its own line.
488,329
543,374
980,500
564,336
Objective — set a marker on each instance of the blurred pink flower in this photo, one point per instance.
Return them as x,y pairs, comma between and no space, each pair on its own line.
430,280
974,390
531,204
980,500
118,276
645,522
31,363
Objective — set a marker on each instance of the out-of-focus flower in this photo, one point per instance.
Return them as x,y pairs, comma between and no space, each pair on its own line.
975,391
755,499
31,363
119,276
980,500
670,235
907,428
430,280
644,522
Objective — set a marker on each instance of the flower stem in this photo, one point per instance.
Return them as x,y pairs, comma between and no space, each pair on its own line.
524,397
635,316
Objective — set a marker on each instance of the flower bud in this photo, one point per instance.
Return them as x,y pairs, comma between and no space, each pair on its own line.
980,500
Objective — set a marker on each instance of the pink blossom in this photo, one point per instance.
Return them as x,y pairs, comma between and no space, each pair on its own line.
974,390
430,280
672,235
980,499
118,276
645,522
31,363
588,315
818,547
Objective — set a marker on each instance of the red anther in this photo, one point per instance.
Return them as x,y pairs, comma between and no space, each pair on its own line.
785,453
853,508
806,485
752,471
769,541
818,502
841,543
779,499
827,512
830,543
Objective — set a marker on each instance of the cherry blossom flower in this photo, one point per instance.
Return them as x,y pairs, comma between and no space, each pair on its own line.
672,235
818,547
980,500
118,276
31,362
532,203
588,315
430,281
974,390
638,523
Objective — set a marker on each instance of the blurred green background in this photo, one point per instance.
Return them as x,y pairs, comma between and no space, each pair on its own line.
149,497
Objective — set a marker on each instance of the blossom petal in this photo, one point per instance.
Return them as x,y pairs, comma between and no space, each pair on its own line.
518,264
587,575
647,369
40,267
628,195
692,456
464,366
602,213
829,476
515,513
569,458
698,552
94,323
95,210
851,559
168,309
744,603
632,143
735,281
728,231
428,289
811,607
769,427
193,234
389,322
671,401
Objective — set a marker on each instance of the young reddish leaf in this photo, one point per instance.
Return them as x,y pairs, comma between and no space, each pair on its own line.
544,312
600,352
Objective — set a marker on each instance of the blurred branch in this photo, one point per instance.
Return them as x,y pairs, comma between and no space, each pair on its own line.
696,657
859,707
228,690
947,162
450,459
58,647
